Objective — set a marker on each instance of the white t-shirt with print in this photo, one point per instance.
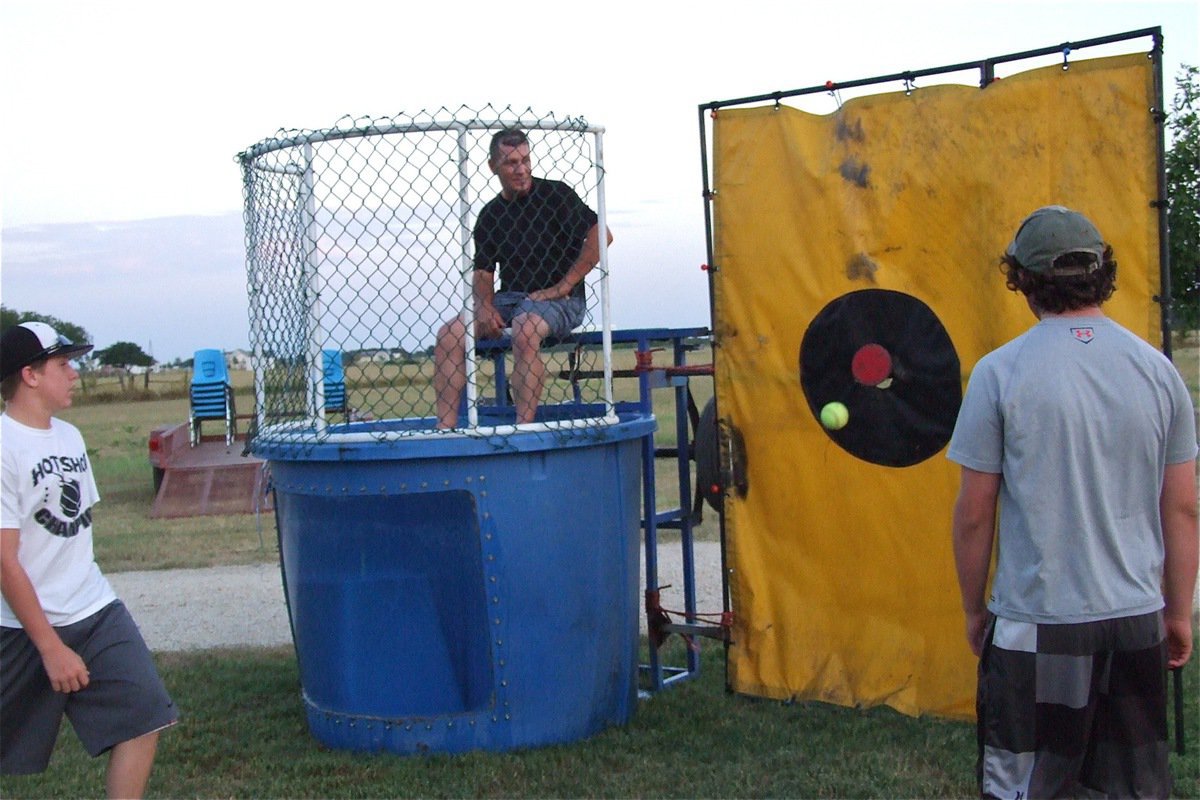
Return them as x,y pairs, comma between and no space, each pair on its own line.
48,493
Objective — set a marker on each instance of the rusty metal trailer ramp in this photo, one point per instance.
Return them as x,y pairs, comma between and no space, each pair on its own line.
208,478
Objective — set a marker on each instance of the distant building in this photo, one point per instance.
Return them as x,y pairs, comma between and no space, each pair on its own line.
238,359
381,356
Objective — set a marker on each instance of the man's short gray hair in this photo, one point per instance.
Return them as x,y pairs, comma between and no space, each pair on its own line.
509,137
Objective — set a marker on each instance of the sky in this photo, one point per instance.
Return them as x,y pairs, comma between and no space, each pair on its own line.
124,111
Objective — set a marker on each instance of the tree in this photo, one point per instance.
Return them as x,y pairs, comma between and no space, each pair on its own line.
124,355
10,317
1183,194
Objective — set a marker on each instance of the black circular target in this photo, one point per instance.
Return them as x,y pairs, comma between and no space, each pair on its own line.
888,359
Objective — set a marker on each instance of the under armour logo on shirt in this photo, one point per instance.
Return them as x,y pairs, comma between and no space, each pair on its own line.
1084,335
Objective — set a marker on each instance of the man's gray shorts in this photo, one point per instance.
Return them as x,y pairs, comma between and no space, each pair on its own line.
124,698
562,316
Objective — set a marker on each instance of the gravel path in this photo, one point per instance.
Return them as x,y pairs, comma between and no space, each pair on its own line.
196,609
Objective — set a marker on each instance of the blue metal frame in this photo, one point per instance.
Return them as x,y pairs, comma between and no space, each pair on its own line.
677,518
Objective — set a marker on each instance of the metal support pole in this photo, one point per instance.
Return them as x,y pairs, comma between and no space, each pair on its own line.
682,441
311,286
605,306
467,268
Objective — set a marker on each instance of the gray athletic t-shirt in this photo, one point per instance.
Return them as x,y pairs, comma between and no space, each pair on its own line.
1079,417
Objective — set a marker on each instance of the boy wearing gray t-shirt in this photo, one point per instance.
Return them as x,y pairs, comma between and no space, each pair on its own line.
1083,438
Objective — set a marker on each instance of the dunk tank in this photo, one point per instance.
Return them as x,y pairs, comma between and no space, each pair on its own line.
448,590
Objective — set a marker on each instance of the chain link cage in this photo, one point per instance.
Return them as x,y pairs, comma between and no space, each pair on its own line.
360,247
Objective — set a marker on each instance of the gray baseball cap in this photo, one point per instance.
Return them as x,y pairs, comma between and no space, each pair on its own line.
1052,232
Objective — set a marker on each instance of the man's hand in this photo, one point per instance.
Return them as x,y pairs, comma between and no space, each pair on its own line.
544,294
65,668
488,322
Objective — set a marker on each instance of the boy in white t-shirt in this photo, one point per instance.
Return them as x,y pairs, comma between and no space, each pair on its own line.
67,644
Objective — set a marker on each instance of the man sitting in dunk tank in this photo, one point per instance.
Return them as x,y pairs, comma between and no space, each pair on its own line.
544,239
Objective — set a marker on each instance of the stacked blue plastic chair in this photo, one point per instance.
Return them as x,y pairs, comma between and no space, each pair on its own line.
211,394
334,380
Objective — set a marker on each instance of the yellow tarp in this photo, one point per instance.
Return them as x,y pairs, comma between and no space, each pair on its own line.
842,574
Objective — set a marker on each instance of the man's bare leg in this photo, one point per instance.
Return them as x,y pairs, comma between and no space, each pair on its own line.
529,372
129,766
450,371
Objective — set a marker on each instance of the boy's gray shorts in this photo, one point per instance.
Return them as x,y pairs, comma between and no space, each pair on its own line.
125,698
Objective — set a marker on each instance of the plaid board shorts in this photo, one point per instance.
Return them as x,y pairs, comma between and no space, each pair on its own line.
125,698
1073,710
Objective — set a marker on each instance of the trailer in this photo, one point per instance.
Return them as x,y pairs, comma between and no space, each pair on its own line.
197,474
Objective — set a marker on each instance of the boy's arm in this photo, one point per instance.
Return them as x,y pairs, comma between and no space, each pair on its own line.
1178,509
974,530
65,668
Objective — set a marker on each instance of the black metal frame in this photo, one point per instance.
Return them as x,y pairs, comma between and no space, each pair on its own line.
987,70
987,75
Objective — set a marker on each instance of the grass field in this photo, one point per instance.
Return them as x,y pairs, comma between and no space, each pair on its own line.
244,734
117,434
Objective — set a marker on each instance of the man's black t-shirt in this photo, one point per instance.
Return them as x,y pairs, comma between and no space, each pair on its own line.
534,239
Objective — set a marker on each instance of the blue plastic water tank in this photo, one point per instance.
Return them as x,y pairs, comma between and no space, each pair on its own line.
446,595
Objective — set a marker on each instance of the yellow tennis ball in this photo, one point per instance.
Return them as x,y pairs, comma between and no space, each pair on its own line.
834,416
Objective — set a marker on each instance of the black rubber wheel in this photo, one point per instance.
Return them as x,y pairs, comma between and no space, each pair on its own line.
708,458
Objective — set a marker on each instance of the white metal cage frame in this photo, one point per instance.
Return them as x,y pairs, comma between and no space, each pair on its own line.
359,246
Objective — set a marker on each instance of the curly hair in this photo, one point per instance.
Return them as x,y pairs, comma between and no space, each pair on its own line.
1056,294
